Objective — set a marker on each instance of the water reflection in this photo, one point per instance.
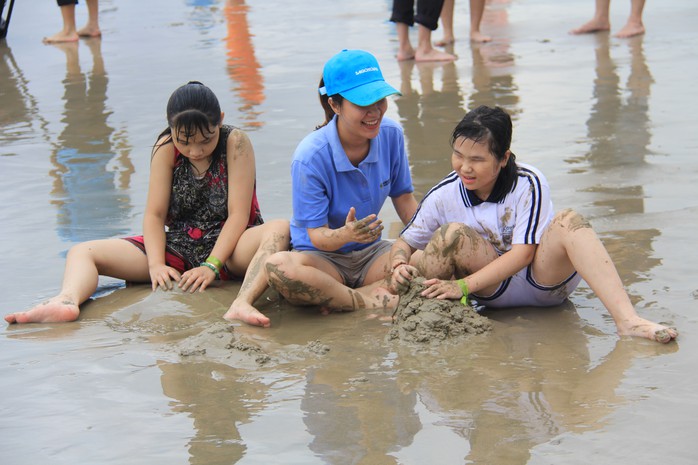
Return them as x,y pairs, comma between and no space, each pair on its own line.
618,128
541,374
92,201
241,63
201,18
19,106
619,125
428,118
217,402
493,64
243,66
354,409
530,381
429,109
619,135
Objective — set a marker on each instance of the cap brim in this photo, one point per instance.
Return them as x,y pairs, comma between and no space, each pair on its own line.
369,93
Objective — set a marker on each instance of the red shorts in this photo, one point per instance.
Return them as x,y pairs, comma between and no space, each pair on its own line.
175,260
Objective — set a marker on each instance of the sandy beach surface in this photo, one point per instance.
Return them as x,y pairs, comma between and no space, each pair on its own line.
159,378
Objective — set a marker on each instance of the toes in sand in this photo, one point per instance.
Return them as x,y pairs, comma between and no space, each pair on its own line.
591,27
247,313
434,55
89,32
61,37
649,330
57,309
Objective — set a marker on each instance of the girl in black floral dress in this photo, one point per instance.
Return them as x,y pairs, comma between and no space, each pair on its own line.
193,231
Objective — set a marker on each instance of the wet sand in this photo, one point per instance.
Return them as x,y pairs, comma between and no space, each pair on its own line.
609,121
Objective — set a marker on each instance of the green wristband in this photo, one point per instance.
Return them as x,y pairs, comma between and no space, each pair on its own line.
463,287
215,262
211,267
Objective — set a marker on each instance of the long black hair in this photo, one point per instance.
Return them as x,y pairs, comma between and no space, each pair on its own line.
192,108
491,125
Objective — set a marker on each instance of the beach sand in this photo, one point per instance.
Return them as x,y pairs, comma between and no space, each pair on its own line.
154,377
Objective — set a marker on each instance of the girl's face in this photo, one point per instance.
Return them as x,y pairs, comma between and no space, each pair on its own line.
196,147
476,166
357,124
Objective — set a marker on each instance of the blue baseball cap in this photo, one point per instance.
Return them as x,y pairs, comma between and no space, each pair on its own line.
356,76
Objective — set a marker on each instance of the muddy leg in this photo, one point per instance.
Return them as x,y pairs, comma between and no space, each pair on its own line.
569,244
455,250
304,279
274,238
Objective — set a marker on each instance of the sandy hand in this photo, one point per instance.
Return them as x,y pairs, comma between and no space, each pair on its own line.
442,289
365,230
401,278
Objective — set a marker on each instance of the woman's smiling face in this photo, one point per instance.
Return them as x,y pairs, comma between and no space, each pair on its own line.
356,122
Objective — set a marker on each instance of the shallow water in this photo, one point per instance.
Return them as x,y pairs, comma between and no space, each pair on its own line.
609,121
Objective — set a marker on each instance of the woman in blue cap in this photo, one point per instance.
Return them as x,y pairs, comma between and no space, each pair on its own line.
342,174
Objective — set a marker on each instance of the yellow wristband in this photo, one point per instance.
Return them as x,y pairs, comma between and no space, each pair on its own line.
463,287
215,262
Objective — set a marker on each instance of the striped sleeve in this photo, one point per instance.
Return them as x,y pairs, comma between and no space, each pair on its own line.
533,207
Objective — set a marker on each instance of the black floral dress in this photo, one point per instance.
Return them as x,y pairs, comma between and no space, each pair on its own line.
199,208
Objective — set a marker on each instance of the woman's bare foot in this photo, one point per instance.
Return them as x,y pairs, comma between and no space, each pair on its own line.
631,30
432,54
57,309
405,54
644,328
479,37
446,40
595,25
245,312
62,36
89,31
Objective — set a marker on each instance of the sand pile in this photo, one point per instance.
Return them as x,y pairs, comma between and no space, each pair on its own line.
220,342
421,320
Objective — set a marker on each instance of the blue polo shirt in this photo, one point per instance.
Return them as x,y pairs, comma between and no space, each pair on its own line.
326,185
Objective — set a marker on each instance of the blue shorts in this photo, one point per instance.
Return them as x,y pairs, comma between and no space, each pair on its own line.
521,290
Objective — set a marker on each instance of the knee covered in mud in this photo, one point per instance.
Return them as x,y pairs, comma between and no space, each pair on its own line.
571,220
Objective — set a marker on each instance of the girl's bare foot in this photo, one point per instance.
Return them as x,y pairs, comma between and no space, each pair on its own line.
89,31
405,54
595,25
644,328
630,30
245,312
61,37
446,40
479,37
433,55
57,309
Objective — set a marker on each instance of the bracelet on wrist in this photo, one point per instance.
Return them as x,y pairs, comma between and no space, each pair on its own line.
463,287
215,262
211,267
